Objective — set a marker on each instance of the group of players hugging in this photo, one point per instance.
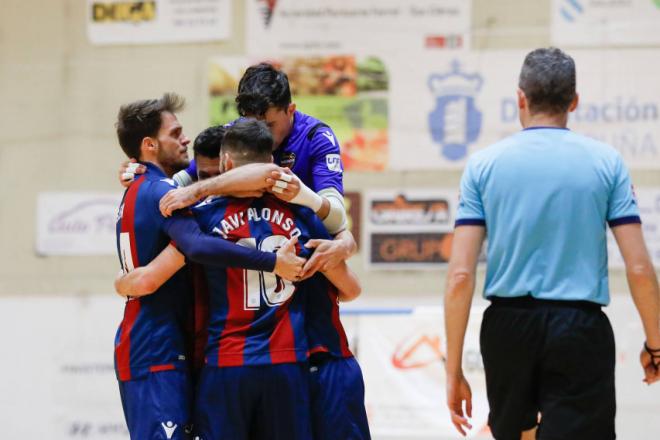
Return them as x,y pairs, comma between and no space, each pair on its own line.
233,266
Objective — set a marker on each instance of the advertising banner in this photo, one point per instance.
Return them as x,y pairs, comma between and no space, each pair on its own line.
77,223
346,92
450,106
410,229
355,26
157,21
605,22
65,388
403,362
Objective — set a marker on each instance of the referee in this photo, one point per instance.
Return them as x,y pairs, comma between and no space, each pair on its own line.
545,197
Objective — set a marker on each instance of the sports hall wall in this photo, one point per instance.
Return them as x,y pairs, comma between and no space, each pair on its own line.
60,94
430,90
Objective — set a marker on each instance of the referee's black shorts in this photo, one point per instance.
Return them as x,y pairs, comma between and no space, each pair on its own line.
550,357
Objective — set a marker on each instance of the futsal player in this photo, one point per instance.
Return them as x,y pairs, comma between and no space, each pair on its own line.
257,350
150,350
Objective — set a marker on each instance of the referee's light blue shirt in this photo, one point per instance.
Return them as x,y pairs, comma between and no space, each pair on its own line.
545,196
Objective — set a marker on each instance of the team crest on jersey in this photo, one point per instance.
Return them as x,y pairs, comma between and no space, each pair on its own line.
288,160
333,161
455,122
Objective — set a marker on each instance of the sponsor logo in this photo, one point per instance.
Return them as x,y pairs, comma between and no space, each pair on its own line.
333,161
330,137
455,122
131,12
402,211
570,10
418,352
169,428
451,41
288,160
267,8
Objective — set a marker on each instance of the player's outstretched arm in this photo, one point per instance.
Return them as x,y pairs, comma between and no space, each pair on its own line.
247,180
345,281
461,275
212,250
643,283
147,279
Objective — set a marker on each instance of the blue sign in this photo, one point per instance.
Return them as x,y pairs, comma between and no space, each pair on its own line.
455,122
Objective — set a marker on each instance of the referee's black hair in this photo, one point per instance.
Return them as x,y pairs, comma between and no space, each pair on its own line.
261,87
208,142
141,119
548,80
248,141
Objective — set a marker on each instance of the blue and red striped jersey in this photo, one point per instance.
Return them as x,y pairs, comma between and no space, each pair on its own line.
256,318
325,332
151,335
155,332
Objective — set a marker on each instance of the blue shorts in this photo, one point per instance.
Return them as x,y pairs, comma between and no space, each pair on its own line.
158,407
337,394
253,402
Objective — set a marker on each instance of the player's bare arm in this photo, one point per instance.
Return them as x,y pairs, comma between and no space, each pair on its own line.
643,283
147,279
248,180
345,281
461,275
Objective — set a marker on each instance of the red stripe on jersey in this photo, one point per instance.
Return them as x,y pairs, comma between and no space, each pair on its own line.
238,320
128,217
123,349
336,322
132,308
321,349
157,368
282,342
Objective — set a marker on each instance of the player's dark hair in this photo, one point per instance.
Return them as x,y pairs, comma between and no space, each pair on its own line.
209,141
141,119
547,78
261,87
248,141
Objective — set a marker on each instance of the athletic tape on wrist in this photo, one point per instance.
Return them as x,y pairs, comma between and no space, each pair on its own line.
307,197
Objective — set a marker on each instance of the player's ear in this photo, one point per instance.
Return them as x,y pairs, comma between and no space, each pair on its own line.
291,109
227,163
148,146
574,103
522,99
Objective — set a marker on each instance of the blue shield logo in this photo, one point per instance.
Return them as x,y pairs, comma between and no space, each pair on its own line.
455,122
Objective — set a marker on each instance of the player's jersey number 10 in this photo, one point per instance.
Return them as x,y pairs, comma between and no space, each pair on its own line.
259,285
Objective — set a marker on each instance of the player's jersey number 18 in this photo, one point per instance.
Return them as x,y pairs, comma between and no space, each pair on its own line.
259,285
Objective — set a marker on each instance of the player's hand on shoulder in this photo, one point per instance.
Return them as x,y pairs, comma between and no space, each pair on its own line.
283,184
178,199
326,256
128,170
288,265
